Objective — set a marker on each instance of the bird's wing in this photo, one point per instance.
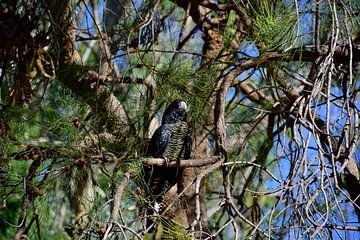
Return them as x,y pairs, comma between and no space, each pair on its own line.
159,141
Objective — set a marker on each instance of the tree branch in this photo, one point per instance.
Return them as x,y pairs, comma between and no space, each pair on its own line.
116,206
196,162
30,193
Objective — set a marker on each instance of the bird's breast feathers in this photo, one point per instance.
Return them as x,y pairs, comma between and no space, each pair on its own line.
175,145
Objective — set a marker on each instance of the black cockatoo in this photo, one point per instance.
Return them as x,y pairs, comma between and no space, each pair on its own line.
171,141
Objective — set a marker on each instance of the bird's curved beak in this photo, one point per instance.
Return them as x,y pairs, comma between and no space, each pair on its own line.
182,105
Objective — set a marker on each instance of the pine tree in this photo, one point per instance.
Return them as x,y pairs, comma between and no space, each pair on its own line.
272,89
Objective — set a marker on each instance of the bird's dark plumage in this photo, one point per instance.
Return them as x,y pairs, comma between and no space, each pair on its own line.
171,141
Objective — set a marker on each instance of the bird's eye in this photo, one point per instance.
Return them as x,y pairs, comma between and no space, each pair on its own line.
182,105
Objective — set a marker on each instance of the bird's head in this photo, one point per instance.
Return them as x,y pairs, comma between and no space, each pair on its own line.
176,111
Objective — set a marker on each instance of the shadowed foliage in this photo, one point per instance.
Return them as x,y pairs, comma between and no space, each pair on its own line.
272,93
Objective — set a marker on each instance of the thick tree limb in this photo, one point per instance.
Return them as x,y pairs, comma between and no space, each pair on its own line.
84,83
196,162
87,85
341,55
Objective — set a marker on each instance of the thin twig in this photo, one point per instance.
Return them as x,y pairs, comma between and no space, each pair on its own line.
116,205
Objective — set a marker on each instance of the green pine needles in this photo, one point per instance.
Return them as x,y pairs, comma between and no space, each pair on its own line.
274,24
184,81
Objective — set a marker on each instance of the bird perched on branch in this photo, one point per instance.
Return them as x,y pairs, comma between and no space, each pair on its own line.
172,142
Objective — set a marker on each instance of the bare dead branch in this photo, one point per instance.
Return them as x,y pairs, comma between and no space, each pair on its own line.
116,205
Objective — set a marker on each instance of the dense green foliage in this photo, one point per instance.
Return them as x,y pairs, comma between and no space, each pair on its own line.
79,100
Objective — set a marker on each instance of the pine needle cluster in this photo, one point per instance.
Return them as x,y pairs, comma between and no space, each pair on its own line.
274,23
